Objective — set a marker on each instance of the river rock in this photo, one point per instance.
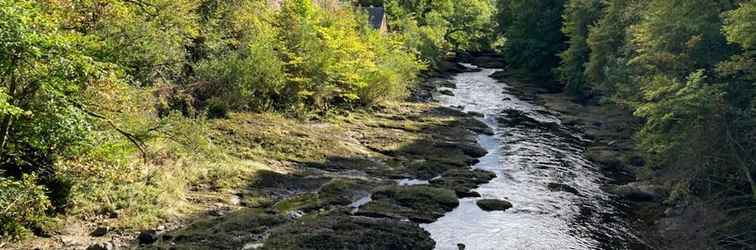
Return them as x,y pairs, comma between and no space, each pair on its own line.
350,232
446,92
447,84
470,149
477,126
501,75
421,204
637,192
476,114
560,187
493,205
463,181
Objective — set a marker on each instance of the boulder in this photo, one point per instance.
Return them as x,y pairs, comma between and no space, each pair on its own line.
349,232
447,84
493,205
446,92
463,181
421,203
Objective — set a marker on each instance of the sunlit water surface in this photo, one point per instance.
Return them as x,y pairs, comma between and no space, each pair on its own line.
525,161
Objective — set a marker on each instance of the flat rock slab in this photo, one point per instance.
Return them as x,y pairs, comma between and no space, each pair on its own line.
494,205
350,232
421,204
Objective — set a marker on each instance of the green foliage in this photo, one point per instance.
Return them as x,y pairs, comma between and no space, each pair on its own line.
105,100
740,25
468,24
435,28
610,49
578,17
687,68
7,108
679,37
23,203
147,38
532,30
45,74
678,115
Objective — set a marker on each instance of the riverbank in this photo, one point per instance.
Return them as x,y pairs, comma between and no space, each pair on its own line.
364,177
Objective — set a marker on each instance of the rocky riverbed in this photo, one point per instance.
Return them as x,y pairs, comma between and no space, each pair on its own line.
512,167
373,181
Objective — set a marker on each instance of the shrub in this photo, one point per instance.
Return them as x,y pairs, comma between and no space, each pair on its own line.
23,204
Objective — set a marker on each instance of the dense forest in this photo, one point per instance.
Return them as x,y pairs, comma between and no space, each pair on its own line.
97,96
685,67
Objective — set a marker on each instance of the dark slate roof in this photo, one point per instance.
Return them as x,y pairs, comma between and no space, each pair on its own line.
376,15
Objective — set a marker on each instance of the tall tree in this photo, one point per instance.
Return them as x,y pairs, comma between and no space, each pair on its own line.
578,17
534,39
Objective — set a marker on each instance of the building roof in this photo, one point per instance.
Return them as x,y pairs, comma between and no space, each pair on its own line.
377,16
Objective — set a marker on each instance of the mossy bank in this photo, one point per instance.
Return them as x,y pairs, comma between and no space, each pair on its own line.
329,183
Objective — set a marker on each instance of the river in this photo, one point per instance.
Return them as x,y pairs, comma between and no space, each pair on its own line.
574,213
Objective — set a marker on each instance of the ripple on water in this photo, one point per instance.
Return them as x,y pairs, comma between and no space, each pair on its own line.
526,160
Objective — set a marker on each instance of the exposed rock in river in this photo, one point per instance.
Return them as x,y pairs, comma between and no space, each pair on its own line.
350,232
559,187
421,204
494,205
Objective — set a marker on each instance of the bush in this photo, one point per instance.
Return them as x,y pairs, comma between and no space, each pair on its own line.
23,204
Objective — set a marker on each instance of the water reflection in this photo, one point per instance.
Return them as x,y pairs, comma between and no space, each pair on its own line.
527,159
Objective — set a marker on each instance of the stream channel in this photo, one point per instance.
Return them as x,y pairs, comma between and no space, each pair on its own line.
541,169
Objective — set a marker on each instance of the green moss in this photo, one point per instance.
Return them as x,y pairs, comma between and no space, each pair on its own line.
228,232
298,202
422,204
347,232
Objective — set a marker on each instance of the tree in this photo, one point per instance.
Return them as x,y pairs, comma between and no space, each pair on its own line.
609,42
740,72
532,30
468,23
578,17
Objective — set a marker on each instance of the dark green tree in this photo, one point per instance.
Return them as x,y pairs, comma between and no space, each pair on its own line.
578,17
534,39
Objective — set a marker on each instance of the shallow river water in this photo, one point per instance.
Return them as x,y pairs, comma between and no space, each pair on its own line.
526,160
